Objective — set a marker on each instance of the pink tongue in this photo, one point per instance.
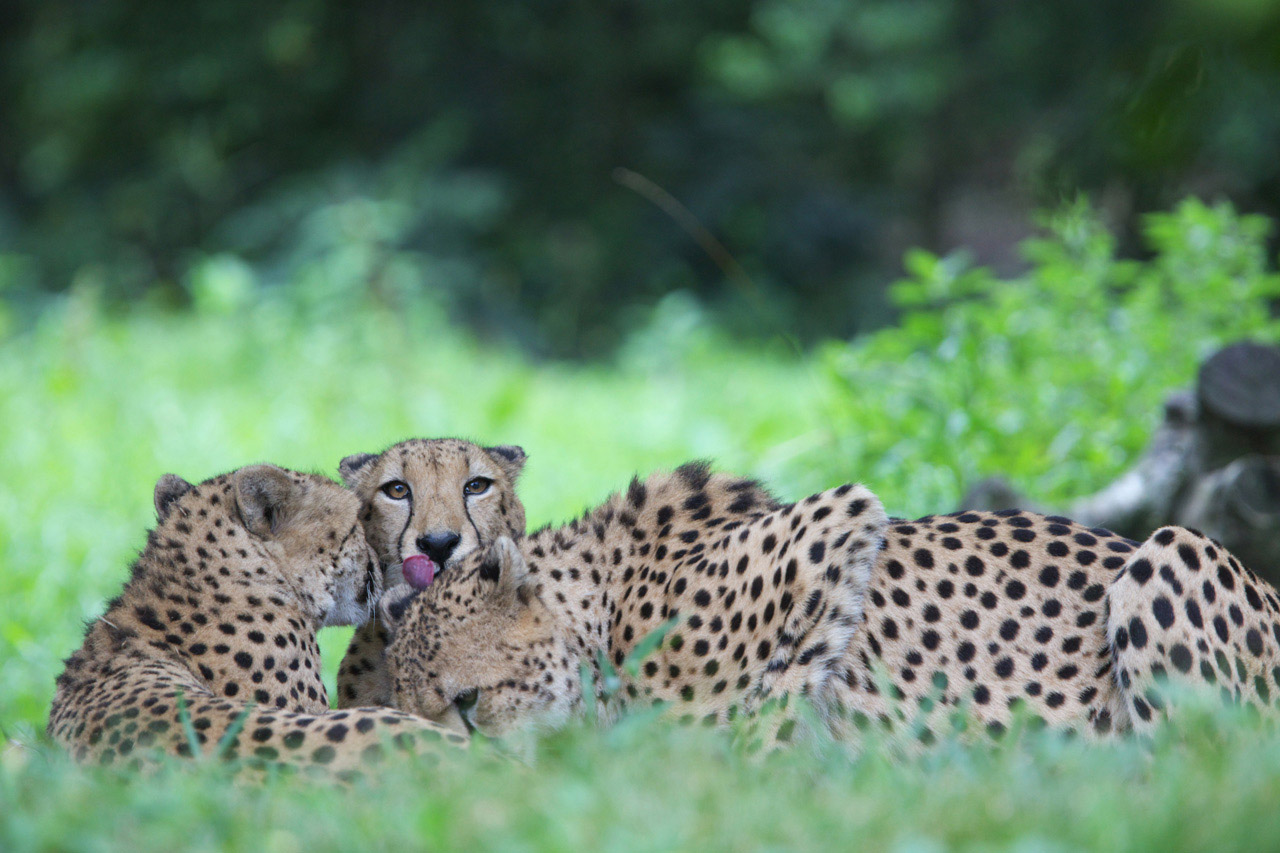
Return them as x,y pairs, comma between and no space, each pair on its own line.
419,571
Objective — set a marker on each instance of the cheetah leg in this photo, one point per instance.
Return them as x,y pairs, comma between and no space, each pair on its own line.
1185,614
362,676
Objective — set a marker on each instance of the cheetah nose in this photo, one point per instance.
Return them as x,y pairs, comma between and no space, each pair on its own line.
438,546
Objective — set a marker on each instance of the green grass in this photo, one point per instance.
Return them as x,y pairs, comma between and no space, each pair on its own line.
1055,378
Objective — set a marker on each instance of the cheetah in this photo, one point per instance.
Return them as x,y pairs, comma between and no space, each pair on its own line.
872,619
425,505
216,627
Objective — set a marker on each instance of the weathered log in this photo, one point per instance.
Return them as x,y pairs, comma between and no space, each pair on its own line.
1213,464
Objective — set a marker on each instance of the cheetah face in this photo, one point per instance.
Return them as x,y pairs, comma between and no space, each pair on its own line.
427,505
310,526
481,642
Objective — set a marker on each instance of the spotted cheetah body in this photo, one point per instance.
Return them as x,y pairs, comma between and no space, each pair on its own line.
219,618
898,621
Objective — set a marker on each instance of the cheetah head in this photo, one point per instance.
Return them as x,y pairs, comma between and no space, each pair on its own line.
481,641
427,504
305,524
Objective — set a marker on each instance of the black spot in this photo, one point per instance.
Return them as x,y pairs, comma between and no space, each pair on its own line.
1189,556
1162,608
1181,657
1226,578
923,558
244,660
1193,613
817,551
1137,633
1140,570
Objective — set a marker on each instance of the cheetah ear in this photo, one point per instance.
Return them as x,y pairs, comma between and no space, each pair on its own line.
393,606
169,488
350,468
504,567
509,458
265,497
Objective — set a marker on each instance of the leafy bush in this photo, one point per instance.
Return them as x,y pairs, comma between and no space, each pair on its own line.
1055,377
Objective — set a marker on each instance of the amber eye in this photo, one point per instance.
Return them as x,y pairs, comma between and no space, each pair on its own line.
397,490
477,486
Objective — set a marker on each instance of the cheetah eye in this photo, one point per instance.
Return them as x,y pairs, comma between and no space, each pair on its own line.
397,490
477,486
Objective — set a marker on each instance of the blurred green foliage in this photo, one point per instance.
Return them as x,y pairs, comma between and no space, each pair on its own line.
466,150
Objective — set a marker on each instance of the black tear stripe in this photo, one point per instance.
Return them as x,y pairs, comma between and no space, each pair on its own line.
467,511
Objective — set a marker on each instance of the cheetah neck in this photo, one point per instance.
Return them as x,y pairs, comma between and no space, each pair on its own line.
574,570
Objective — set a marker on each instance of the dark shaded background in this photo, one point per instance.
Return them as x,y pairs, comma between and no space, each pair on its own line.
470,148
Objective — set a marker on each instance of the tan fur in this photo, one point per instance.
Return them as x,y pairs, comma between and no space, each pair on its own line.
1186,613
985,610
222,609
770,598
436,471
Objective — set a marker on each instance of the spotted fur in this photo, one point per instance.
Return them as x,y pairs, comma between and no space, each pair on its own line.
220,614
769,596
436,472
989,611
1187,613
